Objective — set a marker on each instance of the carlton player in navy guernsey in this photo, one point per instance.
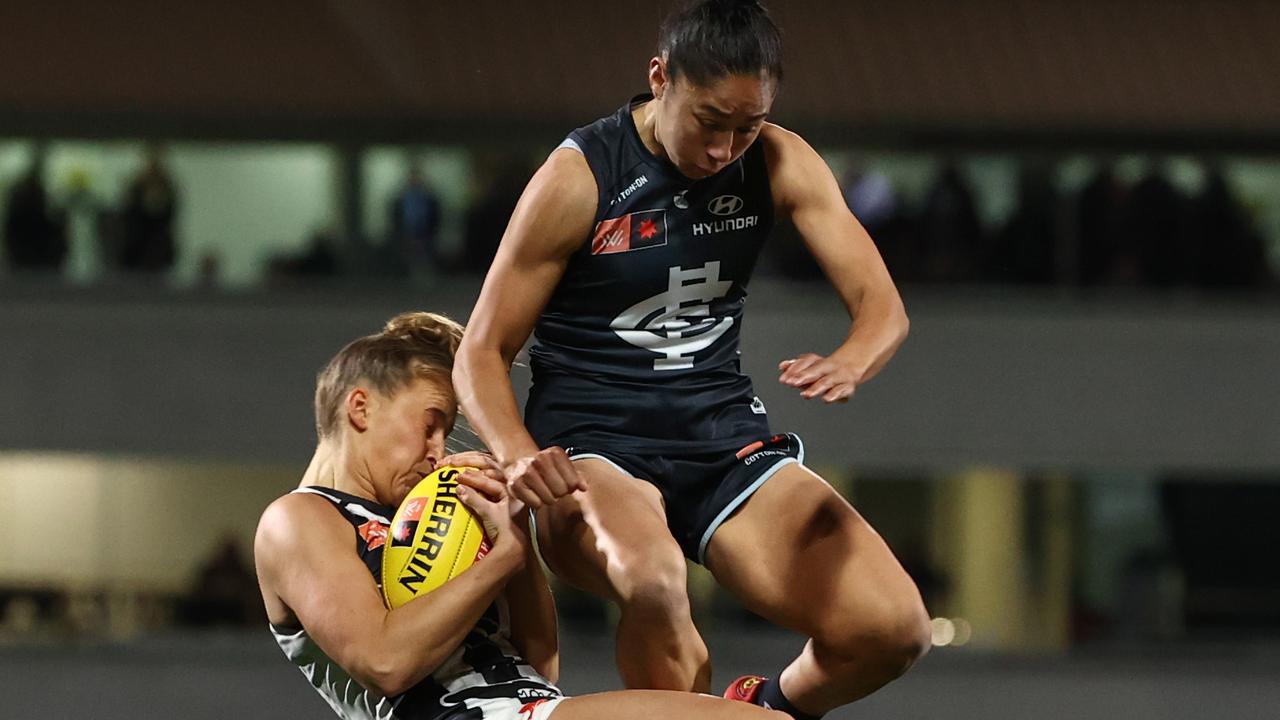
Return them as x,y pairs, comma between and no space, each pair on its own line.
480,647
628,259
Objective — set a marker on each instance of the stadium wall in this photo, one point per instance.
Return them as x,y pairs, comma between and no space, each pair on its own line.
1004,379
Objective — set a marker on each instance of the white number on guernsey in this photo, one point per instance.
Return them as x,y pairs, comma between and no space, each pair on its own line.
682,324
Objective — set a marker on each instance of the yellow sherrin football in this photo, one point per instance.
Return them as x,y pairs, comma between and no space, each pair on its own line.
434,537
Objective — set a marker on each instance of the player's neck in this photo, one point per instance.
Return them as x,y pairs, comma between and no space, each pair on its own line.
332,467
646,121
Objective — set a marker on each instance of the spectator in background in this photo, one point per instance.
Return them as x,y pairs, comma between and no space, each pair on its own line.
319,258
487,218
415,225
150,205
872,199
1229,250
34,234
1025,250
1156,222
950,234
1100,227
225,591
209,269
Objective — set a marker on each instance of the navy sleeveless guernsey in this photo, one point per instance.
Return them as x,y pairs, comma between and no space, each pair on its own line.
637,348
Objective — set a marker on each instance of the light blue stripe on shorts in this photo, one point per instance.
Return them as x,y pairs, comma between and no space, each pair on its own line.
743,496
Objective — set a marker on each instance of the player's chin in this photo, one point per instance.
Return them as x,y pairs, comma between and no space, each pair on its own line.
402,486
696,172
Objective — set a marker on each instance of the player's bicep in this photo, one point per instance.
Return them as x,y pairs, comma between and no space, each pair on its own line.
552,219
812,199
310,563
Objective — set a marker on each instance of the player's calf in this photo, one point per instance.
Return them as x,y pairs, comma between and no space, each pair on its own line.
849,656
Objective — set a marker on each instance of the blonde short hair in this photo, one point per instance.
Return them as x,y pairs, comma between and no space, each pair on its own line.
412,344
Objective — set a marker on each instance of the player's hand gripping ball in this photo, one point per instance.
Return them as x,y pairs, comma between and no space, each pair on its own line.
434,537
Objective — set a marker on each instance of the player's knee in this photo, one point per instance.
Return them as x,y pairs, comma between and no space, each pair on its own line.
909,637
891,639
653,582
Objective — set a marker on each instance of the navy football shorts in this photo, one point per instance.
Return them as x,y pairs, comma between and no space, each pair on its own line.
701,491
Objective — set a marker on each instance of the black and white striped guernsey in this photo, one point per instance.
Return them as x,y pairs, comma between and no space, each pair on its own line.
486,665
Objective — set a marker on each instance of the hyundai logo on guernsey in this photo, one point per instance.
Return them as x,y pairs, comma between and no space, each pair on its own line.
725,205
633,231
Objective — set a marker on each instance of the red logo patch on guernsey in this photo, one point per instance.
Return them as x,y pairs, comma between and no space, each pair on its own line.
526,710
374,534
633,231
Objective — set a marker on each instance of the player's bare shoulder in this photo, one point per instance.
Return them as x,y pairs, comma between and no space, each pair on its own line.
791,162
287,530
781,144
796,172
558,205
291,521
569,166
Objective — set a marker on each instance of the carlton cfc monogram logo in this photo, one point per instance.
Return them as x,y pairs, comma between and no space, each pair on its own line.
677,323
725,205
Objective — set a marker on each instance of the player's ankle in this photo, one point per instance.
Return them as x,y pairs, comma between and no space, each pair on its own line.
770,696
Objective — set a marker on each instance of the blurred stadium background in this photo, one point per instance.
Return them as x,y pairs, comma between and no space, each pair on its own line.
1076,454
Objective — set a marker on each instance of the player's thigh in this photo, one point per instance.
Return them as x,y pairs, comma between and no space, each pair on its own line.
797,540
598,538
651,704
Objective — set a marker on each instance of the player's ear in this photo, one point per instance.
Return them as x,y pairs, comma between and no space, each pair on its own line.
658,79
357,405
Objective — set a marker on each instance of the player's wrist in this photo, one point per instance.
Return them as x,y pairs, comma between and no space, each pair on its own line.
521,519
853,357
507,553
513,451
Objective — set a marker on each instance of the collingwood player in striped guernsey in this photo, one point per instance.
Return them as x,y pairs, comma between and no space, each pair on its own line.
481,647
628,259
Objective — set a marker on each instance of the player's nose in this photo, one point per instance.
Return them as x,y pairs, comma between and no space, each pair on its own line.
721,148
430,461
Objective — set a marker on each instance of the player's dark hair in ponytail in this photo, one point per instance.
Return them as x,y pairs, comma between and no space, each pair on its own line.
715,38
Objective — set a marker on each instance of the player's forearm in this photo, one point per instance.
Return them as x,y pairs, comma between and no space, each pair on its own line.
533,616
482,380
419,636
879,327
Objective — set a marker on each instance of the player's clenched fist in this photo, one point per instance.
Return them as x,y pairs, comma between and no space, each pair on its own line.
542,478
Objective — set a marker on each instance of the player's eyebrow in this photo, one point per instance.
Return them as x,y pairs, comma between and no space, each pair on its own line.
440,416
713,110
